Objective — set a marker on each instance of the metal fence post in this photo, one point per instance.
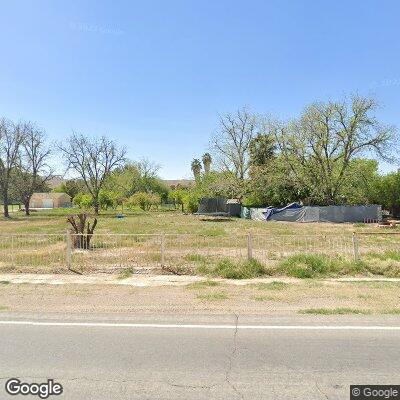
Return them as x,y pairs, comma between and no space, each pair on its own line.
162,250
249,246
356,255
68,255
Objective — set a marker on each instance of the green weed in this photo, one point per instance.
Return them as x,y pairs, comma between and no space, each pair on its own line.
334,311
213,296
274,285
203,284
125,273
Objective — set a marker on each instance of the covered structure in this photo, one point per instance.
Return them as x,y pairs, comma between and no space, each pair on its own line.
219,206
50,200
295,212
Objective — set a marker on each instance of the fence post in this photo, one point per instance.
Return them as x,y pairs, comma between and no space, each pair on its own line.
355,248
249,246
162,250
68,255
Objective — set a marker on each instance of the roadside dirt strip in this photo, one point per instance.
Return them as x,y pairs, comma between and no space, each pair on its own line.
161,280
195,295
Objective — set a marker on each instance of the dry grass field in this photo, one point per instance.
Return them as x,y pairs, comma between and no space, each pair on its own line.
144,242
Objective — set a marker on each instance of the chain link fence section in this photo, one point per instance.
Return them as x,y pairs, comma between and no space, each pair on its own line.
187,251
114,252
269,249
370,243
161,253
41,253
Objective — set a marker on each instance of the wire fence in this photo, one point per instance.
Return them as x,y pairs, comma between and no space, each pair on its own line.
157,253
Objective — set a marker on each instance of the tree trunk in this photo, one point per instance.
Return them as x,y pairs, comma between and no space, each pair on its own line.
26,205
96,208
81,238
5,204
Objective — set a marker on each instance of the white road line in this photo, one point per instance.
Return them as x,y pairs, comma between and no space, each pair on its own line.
198,326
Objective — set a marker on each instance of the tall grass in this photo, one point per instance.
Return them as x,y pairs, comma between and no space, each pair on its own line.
230,269
319,266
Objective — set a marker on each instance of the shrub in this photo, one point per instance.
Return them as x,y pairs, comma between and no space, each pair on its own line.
191,202
83,200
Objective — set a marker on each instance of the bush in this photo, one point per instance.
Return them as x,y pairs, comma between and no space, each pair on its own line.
83,200
235,270
191,202
315,266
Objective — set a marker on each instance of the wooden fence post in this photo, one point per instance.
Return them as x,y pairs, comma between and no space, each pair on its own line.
249,246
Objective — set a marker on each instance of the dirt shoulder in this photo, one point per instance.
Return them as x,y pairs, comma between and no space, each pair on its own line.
204,297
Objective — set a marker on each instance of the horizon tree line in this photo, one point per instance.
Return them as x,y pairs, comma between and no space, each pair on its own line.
321,157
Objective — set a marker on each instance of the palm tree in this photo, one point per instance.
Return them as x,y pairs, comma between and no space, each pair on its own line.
196,168
207,162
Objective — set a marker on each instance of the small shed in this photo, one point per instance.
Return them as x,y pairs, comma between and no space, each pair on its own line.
50,200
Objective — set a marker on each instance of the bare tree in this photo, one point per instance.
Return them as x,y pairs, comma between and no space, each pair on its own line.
32,172
231,143
93,159
11,138
147,168
318,147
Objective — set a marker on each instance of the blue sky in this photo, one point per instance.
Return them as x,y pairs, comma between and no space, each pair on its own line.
154,75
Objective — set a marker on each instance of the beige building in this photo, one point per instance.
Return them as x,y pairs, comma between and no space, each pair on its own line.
50,200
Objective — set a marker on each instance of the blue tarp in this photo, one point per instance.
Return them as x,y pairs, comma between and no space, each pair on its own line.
295,212
272,210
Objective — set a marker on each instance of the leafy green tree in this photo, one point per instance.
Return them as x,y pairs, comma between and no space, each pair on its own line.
144,200
71,187
108,199
178,196
387,192
318,148
262,149
137,177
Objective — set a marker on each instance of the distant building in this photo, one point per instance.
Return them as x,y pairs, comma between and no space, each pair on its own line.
50,200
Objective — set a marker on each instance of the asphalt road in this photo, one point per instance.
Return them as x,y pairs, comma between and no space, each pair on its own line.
112,360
